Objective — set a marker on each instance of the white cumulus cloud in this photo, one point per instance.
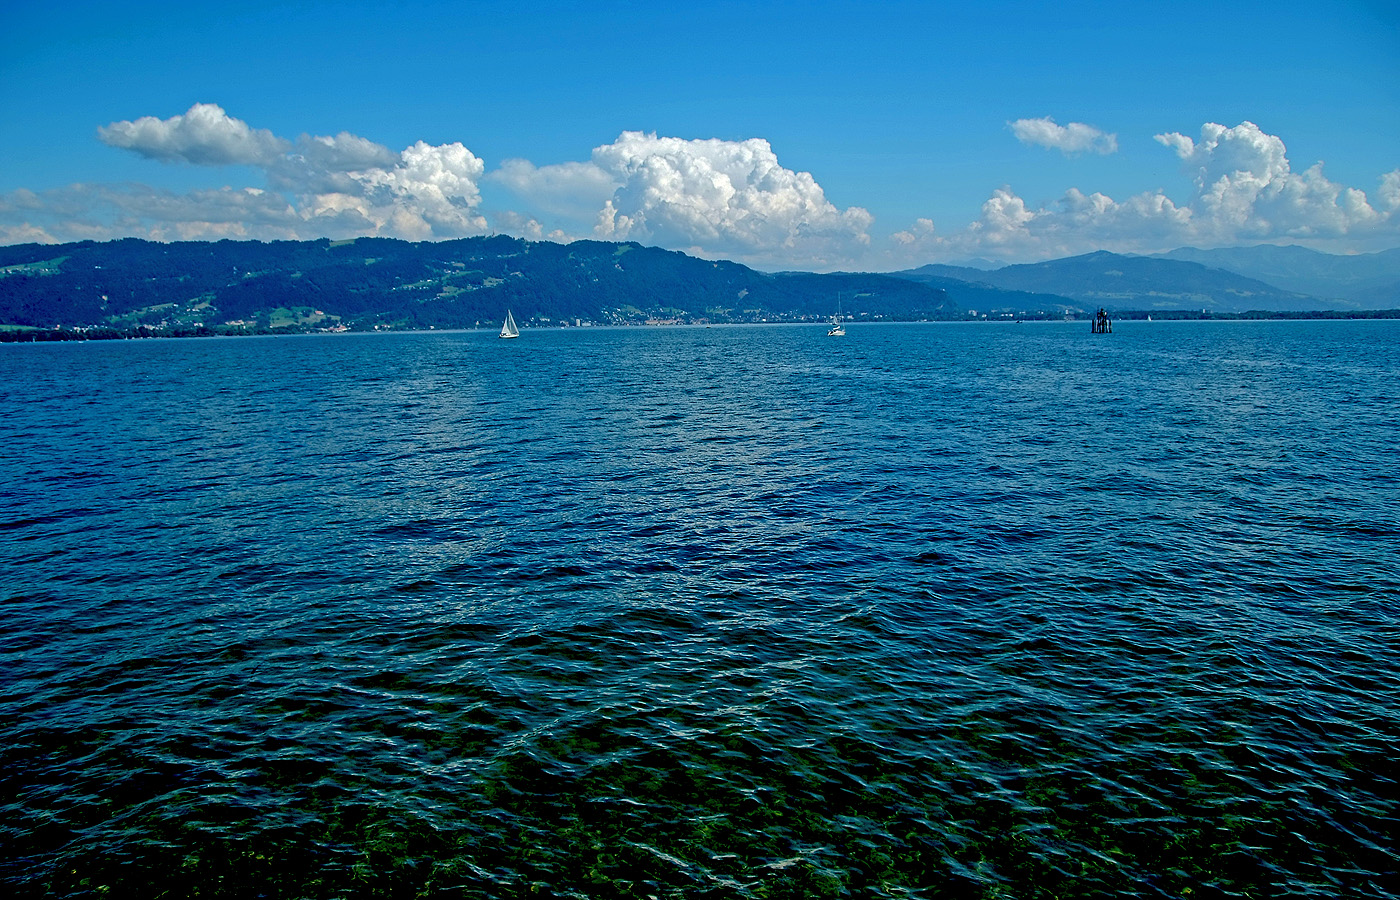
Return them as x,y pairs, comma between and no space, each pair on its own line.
723,198
430,192
712,198
316,186
1246,188
1076,137
1389,192
205,135
921,231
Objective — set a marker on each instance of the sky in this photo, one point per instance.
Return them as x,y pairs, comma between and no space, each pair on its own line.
787,136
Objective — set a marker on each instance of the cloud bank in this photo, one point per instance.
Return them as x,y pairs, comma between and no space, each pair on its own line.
1243,191
711,198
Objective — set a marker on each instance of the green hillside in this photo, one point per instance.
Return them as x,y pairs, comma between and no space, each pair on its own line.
382,283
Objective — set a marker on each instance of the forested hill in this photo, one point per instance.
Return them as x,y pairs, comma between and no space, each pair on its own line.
384,283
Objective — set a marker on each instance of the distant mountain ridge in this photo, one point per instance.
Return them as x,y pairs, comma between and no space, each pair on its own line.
1369,279
1164,282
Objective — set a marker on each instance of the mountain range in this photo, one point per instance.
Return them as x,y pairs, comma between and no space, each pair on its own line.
384,283
1370,280
1238,280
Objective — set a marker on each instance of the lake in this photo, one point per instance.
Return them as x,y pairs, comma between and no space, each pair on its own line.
929,610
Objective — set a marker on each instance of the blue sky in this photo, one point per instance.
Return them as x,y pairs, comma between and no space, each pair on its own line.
784,135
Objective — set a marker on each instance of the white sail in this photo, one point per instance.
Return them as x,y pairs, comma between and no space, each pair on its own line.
837,329
508,330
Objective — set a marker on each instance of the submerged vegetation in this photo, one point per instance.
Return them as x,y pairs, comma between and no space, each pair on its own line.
614,808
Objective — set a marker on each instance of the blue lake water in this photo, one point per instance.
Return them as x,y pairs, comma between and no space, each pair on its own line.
935,610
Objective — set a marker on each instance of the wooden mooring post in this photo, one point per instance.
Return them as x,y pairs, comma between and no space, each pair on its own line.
1102,323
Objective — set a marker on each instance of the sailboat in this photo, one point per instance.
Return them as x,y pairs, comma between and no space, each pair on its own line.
837,329
508,330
